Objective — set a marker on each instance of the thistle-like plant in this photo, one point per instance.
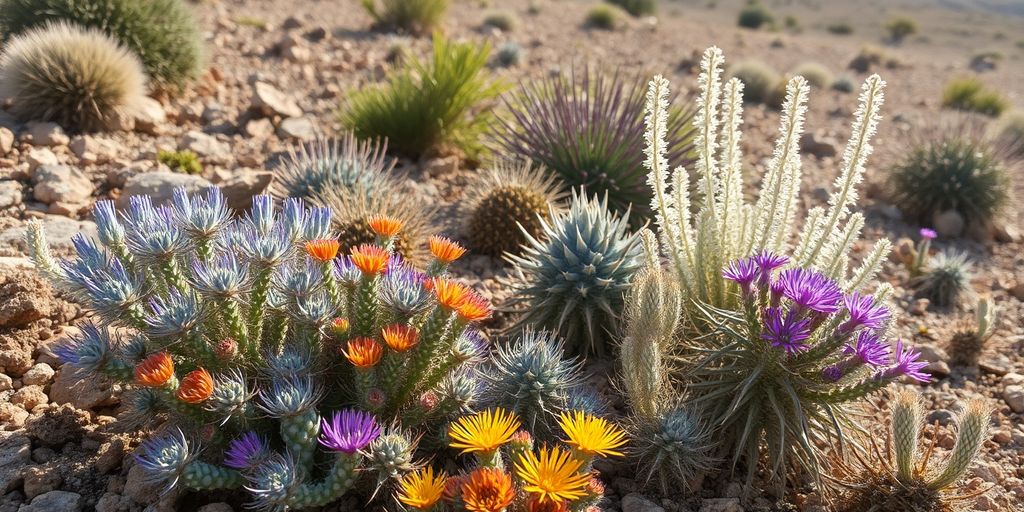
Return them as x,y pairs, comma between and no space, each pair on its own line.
253,332
80,78
162,33
896,477
946,279
588,129
572,279
506,205
969,341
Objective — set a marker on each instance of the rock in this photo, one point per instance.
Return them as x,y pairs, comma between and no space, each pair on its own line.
149,116
440,166
943,416
637,503
15,451
983,62
39,480
1012,379
291,22
1018,291
949,223
39,375
938,369
270,101
38,157
53,501
139,488
205,145
46,134
240,186
300,128
6,382
820,147
721,505
932,353
57,426
259,128
110,455
919,307
10,193
60,183
59,230
1014,397
21,302
160,186
1007,232
29,397
94,149
112,502
6,140
12,416
996,364
82,390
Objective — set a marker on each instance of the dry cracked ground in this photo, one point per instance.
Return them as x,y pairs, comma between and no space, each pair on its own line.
277,74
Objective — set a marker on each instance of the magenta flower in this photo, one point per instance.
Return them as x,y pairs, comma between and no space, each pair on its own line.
246,452
863,313
743,272
768,262
906,363
349,431
929,234
786,330
810,290
869,349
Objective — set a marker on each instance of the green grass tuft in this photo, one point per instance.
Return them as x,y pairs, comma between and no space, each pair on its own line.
755,16
900,27
186,161
410,16
602,17
969,93
636,8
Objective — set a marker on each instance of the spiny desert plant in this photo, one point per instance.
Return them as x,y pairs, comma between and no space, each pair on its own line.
509,54
871,56
840,28
162,33
843,84
969,341
79,78
816,74
636,8
946,279
250,330
900,27
771,368
507,204
532,378
602,17
503,21
898,478
760,82
755,15
588,129
429,105
970,94
571,280
411,16
181,161
953,170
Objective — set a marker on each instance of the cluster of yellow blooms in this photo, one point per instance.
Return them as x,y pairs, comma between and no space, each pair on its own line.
547,479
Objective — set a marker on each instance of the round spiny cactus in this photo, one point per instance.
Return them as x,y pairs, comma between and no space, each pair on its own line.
506,205
572,279
672,449
947,279
354,208
79,78
969,341
163,33
324,163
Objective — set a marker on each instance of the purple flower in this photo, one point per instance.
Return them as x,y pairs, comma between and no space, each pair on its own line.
768,262
809,289
863,312
929,234
246,452
906,363
743,272
349,431
786,331
832,373
869,349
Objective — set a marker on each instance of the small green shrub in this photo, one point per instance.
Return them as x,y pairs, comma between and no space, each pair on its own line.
755,16
951,172
180,161
870,57
900,27
501,20
411,16
816,74
163,33
79,78
509,54
426,105
969,93
759,80
840,29
636,8
843,84
602,17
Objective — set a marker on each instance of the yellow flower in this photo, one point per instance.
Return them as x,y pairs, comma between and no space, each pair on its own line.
553,476
484,431
422,488
590,435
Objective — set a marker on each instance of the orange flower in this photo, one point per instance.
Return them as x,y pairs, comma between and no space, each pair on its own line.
196,387
340,326
323,249
370,259
385,225
445,250
364,352
474,308
487,490
155,371
537,505
450,294
400,337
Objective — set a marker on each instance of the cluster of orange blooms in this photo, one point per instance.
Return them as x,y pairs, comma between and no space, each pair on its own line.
157,371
